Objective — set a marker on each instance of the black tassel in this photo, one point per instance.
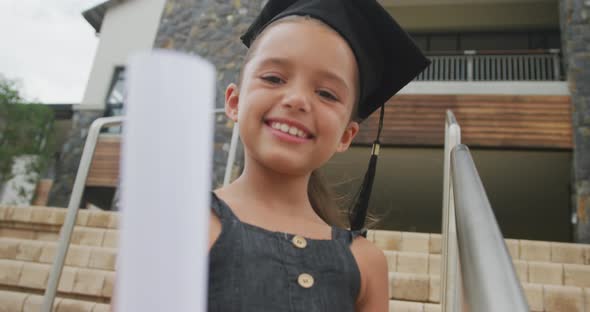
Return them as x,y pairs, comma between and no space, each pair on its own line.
359,212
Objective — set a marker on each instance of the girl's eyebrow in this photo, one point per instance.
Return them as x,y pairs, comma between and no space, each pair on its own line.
275,61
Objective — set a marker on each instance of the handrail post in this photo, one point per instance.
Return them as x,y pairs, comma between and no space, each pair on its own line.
233,148
73,206
556,64
449,258
470,64
231,157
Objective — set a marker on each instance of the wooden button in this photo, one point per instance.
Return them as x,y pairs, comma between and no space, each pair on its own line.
299,242
305,280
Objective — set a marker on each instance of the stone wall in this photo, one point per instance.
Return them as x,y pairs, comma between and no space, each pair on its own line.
69,159
211,29
575,33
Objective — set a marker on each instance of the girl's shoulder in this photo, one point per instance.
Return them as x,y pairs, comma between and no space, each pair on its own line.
372,265
365,251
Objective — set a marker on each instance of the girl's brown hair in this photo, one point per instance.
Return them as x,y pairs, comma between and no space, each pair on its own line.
321,196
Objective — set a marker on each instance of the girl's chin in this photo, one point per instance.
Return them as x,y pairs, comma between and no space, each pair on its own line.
288,169
290,166
285,159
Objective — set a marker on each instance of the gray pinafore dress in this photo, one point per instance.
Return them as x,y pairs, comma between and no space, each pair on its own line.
252,269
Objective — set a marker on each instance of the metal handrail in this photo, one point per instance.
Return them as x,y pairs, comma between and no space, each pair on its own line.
78,190
74,204
488,276
477,273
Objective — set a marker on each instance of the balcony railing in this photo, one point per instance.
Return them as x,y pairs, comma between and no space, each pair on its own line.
535,65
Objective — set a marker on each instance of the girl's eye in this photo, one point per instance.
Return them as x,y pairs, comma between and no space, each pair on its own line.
327,95
273,79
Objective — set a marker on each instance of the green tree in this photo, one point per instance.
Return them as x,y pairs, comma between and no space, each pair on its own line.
26,128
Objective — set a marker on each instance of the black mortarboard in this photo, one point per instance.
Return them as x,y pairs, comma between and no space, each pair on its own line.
387,58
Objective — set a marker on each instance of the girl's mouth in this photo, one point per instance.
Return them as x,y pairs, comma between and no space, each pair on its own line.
292,130
288,129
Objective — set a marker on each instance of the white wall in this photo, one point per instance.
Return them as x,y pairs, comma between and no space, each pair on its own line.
487,87
128,26
529,185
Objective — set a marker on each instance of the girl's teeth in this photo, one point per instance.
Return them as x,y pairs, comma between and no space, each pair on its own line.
287,129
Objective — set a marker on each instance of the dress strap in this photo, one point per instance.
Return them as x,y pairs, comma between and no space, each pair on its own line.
362,232
221,208
347,236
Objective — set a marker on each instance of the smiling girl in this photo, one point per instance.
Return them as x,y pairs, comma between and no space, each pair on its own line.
314,70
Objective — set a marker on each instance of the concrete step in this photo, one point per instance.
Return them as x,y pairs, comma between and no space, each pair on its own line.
55,216
422,288
82,236
537,272
29,302
81,256
98,228
409,306
104,258
97,285
555,276
16,301
528,250
90,284
93,228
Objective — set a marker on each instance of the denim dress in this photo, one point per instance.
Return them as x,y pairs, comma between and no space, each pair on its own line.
252,269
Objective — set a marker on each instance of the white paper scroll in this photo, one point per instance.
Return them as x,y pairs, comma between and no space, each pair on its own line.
166,160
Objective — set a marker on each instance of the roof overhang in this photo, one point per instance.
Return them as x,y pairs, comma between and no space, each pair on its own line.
95,15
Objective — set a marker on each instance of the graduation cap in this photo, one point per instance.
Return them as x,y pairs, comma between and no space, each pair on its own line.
387,58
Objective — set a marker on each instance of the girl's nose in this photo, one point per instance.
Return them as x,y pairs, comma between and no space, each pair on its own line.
298,100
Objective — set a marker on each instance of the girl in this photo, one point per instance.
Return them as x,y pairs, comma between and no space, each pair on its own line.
314,70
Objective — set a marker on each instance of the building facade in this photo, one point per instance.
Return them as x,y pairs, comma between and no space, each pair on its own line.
515,72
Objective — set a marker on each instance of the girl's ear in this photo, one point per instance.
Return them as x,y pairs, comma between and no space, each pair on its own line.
232,100
349,133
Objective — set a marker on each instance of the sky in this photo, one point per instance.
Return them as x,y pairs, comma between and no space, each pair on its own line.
47,47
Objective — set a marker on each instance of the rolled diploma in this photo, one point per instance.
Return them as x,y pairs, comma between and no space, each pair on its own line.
166,164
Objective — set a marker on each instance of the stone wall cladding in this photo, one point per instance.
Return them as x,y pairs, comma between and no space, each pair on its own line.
575,32
69,160
212,29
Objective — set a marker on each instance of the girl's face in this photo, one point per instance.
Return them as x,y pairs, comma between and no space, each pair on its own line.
295,103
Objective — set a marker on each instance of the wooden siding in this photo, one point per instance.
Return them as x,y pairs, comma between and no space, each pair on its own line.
497,121
104,170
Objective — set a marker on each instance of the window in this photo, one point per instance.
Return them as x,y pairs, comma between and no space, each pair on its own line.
495,41
116,98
